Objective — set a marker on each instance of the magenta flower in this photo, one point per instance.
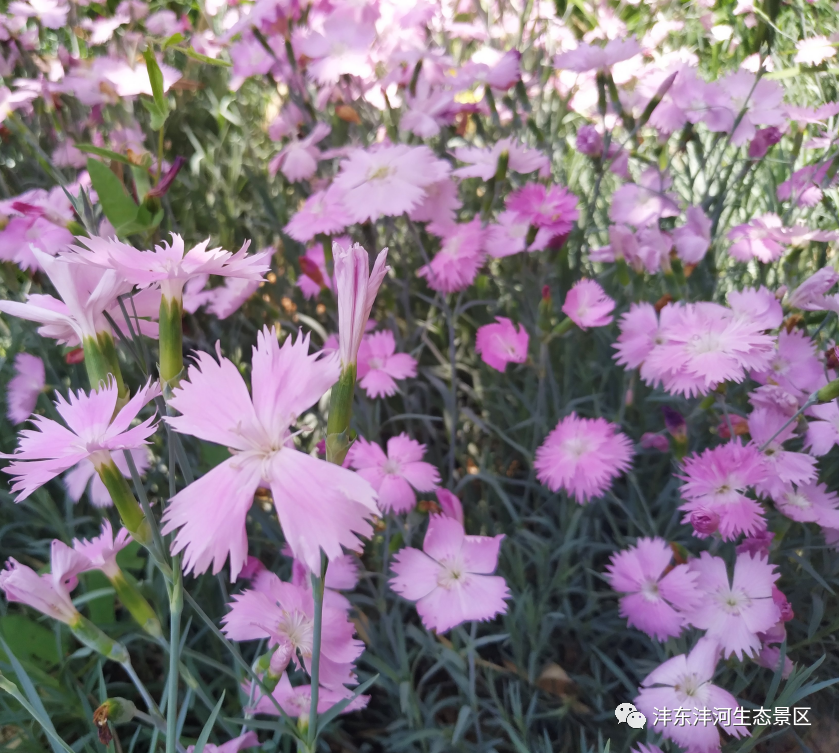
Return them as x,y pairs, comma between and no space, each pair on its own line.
49,593
717,480
764,139
587,305
588,57
456,264
439,204
84,476
694,237
451,578
757,305
356,288
483,163
322,213
450,505
810,295
298,160
341,49
314,276
248,740
733,613
589,141
644,203
809,503
501,343
554,208
822,428
171,266
582,456
387,181
284,614
795,365
24,387
396,475
760,238
684,682
101,552
803,187
639,335
427,111
379,365
509,236
93,432
656,594
321,506
762,100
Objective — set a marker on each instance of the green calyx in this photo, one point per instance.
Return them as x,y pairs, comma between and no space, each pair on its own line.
171,340
102,363
340,412
124,500
96,640
136,604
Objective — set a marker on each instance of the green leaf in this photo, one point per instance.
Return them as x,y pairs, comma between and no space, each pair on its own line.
29,639
106,153
208,727
174,39
156,79
189,52
158,118
118,206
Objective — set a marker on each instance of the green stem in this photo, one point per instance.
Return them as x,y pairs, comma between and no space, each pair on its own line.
317,593
176,605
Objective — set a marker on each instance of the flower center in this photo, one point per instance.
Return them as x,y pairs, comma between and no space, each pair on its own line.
795,499
391,468
299,630
688,685
733,602
451,573
375,363
650,591
576,446
380,173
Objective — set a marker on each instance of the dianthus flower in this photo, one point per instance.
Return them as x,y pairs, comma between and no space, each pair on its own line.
388,180
284,614
298,160
685,682
756,305
783,467
248,740
483,163
823,428
693,239
439,204
588,57
810,295
451,578
717,479
644,203
582,456
396,475
341,49
656,594
101,551
461,255
554,208
24,387
587,305
322,213
639,335
814,50
509,236
379,365
760,238
809,503
501,343
733,613
297,701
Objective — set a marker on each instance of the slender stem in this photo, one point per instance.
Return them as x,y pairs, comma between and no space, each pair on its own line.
176,605
153,708
317,593
158,724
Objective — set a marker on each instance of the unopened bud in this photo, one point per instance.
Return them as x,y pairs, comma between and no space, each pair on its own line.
705,522
829,392
675,423
783,604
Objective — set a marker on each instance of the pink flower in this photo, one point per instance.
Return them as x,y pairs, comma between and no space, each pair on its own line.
809,503
298,160
92,432
762,100
321,506
248,740
694,237
810,294
717,479
699,346
589,141
814,50
342,49
644,203
387,181
322,213
582,456
396,475
654,601
379,366
795,365
427,111
451,578
171,265
509,236
588,57
284,614
49,593
588,305
685,682
101,552
297,701
639,334
823,428
734,613
450,505
356,289
439,204
756,305
314,276
226,299
502,343
24,387
554,208
84,476
764,139
86,294
456,264
484,162
782,466
760,239
804,186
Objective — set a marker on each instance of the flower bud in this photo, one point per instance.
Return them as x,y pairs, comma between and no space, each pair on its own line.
115,711
705,522
783,604
589,141
763,140
675,424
